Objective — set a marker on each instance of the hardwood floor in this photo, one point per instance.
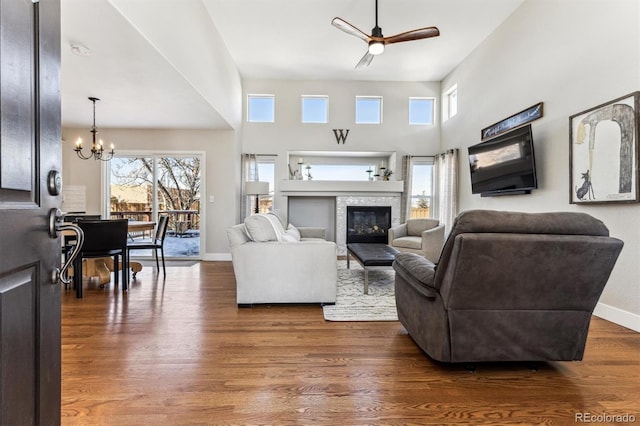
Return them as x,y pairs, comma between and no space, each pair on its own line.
178,351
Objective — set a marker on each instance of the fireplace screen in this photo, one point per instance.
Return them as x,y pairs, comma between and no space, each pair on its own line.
368,224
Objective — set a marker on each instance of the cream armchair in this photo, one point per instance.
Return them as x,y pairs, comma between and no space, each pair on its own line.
420,236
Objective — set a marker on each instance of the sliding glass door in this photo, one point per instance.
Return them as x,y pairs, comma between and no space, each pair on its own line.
142,187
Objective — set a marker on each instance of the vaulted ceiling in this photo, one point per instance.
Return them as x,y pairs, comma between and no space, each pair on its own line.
267,39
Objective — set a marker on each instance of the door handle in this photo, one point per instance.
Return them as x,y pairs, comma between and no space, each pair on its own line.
55,226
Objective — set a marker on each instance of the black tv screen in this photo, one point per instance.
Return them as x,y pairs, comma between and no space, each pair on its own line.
504,164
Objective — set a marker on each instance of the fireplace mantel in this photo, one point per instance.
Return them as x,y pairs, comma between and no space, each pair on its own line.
333,214
338,187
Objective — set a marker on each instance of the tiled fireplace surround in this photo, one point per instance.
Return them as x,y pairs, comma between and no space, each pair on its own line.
349,194
341,214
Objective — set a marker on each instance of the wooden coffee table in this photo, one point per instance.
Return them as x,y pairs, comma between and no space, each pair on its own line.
371,256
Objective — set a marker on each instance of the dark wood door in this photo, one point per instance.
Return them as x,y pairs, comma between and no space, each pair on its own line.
30,141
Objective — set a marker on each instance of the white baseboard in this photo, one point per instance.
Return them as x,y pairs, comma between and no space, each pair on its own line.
216,257
618,316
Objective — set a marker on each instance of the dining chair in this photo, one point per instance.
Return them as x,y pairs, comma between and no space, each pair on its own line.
69,241
157,243
103,238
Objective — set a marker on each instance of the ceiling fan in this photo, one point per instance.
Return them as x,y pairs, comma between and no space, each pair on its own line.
377,41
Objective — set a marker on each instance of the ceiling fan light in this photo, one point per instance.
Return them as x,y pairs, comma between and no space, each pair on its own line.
376,47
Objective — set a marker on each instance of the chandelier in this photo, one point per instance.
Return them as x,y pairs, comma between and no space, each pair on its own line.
97,148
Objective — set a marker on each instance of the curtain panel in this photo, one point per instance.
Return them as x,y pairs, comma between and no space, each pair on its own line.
446,187
405,199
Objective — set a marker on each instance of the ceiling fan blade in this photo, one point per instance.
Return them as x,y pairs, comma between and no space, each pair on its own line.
413,35
365,61
343,25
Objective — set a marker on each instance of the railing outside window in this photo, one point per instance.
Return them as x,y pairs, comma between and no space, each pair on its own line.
181,222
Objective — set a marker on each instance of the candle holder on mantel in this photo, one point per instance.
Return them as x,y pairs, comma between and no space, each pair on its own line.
308,167
370,171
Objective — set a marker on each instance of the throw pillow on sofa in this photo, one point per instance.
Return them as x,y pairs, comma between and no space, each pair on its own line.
264,227
292,234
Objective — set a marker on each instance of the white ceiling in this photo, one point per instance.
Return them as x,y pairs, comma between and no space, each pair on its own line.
273,39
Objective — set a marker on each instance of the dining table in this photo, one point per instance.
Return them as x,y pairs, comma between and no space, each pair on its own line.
101,267
141,226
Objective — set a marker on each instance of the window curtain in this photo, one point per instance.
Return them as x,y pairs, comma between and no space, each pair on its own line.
405,199
446,187
249,173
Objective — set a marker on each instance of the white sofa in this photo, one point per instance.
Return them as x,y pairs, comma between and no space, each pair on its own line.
274,265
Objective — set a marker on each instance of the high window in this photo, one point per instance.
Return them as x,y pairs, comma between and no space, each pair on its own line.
368,109
337,171
421,111
450,102
315,109
261,108
336,167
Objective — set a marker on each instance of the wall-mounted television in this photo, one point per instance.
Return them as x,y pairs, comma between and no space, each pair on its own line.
504,165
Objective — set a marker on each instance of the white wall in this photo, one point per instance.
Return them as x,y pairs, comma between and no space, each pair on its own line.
211,71
289,134
221,173
572,55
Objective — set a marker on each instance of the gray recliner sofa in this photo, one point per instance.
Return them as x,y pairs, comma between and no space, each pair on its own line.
508,286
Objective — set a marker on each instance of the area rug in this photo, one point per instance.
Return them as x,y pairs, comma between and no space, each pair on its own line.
353,305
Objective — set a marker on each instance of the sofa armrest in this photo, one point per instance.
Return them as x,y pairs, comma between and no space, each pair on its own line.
397,232
418,272
312,232
432,243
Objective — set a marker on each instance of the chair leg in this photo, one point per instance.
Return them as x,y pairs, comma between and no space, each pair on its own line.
77,276
155,254
164,269
125,270
128,263
116,265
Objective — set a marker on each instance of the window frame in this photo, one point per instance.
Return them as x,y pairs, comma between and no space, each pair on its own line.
303,98
261,96
380,109
450,103
433,110
270,160
155,155
422,161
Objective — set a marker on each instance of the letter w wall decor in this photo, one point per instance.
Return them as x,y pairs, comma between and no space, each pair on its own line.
341,135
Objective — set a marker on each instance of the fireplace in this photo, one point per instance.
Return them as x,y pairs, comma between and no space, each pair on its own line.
368,224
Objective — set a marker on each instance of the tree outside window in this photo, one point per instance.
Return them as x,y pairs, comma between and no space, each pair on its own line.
177,181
